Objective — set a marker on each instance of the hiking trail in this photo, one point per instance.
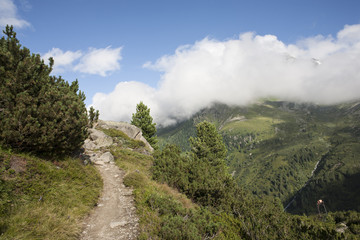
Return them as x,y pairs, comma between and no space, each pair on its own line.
114,216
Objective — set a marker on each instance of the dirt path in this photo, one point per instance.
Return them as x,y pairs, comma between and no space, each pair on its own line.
115,215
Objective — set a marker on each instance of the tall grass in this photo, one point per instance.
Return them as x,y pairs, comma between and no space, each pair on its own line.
43,199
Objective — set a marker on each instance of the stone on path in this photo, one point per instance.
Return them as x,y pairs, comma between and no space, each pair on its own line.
106,157
99,162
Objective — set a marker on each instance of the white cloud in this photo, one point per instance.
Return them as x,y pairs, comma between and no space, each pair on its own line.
123,100
62,60
241,70
8,15
100,61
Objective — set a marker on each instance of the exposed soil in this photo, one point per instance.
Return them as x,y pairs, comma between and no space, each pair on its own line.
18,164
114,217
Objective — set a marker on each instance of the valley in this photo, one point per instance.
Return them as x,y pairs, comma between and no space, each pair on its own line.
295,153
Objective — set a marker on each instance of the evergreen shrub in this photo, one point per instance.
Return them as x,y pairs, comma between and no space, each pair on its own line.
39,113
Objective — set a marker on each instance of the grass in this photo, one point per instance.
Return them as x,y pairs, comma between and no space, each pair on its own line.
148,192
164,212
262,127
124,140
41,199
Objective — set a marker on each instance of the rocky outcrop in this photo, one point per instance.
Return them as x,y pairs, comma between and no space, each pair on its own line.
97,145
130,130
97,139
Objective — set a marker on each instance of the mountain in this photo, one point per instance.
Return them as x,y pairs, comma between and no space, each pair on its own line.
295,152
37,194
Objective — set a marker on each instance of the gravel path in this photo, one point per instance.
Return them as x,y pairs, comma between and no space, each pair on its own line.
115,215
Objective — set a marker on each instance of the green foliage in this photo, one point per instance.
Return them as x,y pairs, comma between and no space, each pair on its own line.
40,199
97,114
203,174
165,213
144,121
38,112
236,214
350,218
173,221
210,184
93,116
274,147
134,179
171,167
178,134
208,144
336,180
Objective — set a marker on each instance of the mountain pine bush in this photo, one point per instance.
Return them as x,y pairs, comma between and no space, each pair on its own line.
38,113
202,175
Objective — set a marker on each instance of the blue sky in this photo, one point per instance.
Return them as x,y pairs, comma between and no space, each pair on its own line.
118,49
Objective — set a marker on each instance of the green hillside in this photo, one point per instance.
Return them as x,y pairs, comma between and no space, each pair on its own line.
168,209
42,199
274,147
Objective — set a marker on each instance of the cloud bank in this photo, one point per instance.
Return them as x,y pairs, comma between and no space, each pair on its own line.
100,61
320,69
8,15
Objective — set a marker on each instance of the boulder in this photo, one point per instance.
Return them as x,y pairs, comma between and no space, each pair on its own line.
130,130
106,157
99,163
94,157
89,145
99,138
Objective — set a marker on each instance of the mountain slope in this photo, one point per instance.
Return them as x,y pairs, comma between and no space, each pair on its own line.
42,199
165,213
274,148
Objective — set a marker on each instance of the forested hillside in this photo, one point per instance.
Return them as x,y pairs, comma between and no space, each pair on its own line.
193,197
280,150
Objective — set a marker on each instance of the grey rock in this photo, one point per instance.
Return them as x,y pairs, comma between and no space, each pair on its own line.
89,145
117,224
106,157
99,163
100,139
130,130
94,158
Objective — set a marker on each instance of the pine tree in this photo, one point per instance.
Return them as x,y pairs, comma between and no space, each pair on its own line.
97,114
144,121
210,182
93,116
38,112
208,144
